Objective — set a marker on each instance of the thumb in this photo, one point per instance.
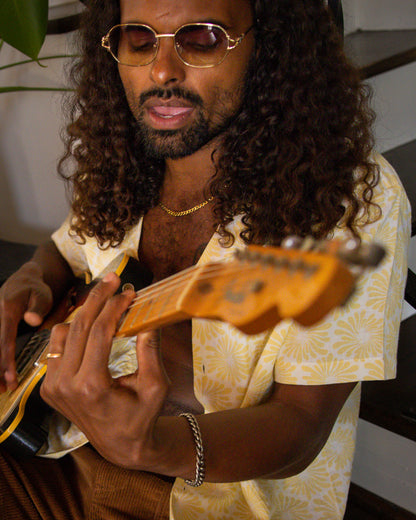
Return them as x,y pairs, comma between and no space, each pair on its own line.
39,304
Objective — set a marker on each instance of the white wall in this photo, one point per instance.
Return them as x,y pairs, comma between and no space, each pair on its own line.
61,8
394,102
379,14
385,465
32,197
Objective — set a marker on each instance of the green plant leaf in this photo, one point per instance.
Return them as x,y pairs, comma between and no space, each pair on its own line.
23,24
5,90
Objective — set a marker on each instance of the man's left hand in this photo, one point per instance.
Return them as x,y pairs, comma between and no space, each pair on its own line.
117,416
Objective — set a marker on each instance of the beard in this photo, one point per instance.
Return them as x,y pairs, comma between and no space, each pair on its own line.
176,144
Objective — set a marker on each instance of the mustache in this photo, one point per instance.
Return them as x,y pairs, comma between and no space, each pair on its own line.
176,92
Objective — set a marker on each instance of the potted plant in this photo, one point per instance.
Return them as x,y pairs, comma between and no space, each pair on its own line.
23,25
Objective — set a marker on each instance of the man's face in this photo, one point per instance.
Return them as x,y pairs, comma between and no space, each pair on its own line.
178,108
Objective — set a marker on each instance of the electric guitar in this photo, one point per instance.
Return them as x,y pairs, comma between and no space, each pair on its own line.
254,291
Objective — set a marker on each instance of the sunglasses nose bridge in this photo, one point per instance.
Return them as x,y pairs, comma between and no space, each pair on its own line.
159,37
167,66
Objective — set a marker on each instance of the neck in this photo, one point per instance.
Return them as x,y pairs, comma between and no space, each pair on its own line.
188,177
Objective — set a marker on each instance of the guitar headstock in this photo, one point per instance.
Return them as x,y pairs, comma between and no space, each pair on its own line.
263,285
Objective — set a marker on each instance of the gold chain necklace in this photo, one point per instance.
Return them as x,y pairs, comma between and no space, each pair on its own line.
185,211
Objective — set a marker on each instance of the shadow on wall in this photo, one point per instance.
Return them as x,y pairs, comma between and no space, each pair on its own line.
20,220
32,196
12,227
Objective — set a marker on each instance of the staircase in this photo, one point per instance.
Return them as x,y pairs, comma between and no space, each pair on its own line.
381,40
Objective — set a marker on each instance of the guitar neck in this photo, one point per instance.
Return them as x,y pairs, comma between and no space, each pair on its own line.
157,305
253,291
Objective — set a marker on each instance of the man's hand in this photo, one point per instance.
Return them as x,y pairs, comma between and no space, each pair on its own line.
116,415
23,296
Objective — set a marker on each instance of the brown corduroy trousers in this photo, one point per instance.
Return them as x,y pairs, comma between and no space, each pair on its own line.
80,486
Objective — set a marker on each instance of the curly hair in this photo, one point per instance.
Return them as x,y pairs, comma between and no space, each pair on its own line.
295,160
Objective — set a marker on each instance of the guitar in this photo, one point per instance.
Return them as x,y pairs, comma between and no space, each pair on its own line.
254,291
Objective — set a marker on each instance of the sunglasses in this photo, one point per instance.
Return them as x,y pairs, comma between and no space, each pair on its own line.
199,45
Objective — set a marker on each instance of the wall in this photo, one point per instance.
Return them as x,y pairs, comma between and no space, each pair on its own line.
32,197
33,201
379,14
384,461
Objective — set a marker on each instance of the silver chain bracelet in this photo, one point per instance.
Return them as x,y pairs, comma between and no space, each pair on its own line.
200,460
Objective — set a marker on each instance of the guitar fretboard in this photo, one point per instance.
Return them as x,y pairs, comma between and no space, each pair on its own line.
157,305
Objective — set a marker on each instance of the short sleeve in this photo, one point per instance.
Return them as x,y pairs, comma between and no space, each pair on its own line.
71,248
86,256
358,341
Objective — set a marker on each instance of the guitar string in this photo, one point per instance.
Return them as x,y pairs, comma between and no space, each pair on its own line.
172,284
134,319
184,276
178,281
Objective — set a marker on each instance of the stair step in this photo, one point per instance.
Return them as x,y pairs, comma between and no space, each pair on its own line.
403,159
392,404
375,52
364,505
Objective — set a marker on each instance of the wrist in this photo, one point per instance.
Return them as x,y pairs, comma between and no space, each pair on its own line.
173,448
199,451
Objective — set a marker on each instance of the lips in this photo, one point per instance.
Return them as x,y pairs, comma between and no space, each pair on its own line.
168,114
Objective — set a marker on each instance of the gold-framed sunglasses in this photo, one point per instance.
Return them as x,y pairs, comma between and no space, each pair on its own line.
200,45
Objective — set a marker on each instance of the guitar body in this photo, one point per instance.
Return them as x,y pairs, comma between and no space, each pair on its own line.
31,430
24,416
254,291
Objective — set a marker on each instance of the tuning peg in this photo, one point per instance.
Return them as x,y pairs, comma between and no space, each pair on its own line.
367,255
307,243
292,242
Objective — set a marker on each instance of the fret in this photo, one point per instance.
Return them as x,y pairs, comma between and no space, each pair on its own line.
168,301
156,306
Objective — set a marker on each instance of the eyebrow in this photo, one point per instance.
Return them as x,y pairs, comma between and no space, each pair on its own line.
204,20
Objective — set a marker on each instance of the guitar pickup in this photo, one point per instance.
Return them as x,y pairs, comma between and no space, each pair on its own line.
30,352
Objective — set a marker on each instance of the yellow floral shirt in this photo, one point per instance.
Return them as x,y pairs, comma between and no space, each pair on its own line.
354,343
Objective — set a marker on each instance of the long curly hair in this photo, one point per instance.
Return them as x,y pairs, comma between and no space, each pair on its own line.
295,160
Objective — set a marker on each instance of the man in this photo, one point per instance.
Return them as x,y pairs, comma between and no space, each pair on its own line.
208,125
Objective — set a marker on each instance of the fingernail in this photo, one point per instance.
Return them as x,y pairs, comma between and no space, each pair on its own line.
108,277
8,376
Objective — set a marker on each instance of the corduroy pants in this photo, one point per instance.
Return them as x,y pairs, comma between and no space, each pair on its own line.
80,486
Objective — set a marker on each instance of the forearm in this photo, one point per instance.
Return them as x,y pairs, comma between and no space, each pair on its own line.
277,439
56,272
29,294
272,440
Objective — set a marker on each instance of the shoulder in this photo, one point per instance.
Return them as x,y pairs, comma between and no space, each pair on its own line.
86,255
389,208
389,180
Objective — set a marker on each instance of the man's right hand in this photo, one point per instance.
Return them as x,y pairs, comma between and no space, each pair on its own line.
26,296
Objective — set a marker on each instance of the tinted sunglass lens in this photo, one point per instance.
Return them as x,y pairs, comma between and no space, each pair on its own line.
133,44
201,45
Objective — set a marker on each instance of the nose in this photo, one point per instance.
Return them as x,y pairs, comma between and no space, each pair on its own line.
167,68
